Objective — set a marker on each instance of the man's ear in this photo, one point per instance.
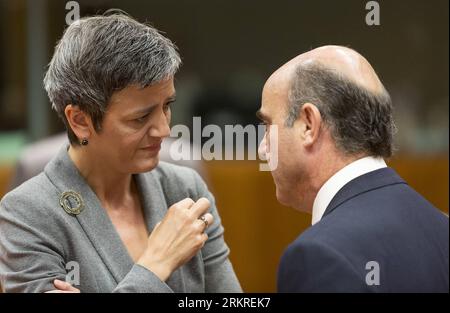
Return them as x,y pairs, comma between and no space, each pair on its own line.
79,121
310,124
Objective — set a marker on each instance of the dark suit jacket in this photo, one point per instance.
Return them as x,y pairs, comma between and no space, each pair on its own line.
375,217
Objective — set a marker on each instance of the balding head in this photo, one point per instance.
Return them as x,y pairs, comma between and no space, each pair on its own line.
344,61
323,110
351,99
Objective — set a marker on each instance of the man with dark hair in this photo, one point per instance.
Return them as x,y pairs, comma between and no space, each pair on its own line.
329,126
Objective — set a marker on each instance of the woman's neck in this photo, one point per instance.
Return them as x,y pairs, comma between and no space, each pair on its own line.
111,187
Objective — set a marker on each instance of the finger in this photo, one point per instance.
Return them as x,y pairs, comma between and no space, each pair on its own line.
156,226
208,220
64,286
186,203
61,285
200,207
73,289
204,238
62,291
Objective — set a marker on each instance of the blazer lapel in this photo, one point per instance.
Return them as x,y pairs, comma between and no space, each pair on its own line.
154,202
372,180
93,219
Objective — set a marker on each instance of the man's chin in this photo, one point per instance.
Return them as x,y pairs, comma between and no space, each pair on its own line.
282,197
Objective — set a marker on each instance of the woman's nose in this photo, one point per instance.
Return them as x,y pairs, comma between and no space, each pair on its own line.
161,127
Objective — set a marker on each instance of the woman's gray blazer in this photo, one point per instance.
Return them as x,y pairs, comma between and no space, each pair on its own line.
39,239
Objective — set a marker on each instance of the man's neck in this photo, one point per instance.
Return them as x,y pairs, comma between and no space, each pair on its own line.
321,172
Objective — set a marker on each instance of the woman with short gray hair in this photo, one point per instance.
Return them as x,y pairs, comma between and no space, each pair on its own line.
105,215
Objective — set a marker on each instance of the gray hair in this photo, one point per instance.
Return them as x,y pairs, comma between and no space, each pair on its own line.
100,55
359,120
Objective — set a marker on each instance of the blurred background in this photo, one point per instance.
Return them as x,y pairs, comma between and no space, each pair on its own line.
229,48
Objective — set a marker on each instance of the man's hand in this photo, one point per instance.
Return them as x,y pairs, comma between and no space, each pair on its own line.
63,287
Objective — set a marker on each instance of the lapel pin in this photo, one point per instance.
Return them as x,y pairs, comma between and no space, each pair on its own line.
71,202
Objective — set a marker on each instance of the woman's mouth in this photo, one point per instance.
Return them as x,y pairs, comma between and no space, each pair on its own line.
153,148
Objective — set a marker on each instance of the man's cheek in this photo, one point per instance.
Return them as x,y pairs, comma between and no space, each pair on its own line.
272,147
262,149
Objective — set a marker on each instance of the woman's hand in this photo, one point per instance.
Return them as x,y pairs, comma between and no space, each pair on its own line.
177,238
63,287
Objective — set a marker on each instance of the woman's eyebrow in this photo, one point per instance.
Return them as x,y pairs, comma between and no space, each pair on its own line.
144,110
151,107
172,98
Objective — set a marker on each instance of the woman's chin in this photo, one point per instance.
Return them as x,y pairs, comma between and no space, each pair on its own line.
146,165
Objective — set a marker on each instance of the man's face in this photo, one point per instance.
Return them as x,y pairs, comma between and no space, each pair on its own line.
288,167
134,126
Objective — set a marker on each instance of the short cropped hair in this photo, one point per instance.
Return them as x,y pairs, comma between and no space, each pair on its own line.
100,55
360,121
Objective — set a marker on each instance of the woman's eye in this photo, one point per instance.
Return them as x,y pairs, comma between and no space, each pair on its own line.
141,119
166,107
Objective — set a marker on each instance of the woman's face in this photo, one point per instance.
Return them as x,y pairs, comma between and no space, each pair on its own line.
134,125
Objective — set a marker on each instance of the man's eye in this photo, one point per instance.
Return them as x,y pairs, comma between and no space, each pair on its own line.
265,124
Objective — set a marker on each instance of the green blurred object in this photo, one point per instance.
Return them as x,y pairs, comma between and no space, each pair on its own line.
11,143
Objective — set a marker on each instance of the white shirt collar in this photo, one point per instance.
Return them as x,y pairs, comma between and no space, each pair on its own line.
331,187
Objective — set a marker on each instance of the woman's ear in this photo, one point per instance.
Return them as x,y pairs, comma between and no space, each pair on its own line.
79,121
310,124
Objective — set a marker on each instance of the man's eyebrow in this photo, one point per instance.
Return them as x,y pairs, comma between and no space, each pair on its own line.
261,116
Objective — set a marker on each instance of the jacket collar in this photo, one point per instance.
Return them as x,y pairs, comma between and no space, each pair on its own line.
94,220
364,183
346,174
